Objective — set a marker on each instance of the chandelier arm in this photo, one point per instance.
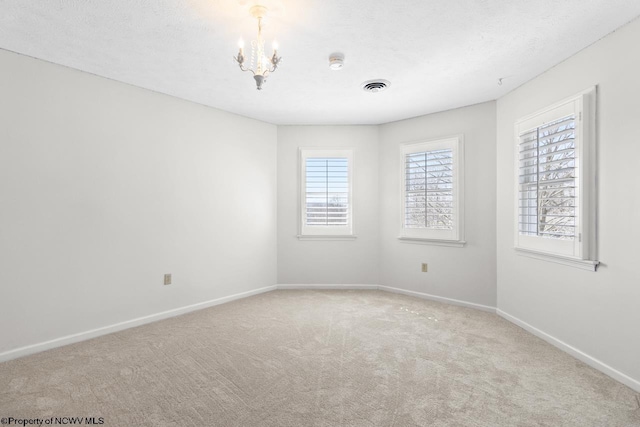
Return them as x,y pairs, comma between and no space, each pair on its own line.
242,67
276,63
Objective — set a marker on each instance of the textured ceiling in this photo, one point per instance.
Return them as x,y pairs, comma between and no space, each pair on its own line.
438,54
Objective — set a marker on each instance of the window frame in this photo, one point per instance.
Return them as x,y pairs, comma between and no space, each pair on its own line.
454,237
581,252
309,232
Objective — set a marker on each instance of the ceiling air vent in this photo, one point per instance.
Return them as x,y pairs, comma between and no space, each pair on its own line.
375,85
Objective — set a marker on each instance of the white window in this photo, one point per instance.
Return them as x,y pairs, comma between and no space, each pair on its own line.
326,209
432,191
555,168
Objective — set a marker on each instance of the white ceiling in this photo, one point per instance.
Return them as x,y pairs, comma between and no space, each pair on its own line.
438,54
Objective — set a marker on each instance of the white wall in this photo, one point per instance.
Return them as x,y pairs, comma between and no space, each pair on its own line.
329,262
596,313
105,187
467,274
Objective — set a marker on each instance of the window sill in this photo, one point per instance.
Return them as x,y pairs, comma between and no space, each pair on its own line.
583,264
436,242
320,237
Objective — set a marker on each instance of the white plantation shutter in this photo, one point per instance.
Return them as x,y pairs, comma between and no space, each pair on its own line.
327,191
429,187
548,173
555,182
432,191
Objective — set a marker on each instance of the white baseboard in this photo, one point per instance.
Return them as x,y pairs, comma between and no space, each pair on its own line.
353,287
93,333
82,336
393,290
439,299
583,357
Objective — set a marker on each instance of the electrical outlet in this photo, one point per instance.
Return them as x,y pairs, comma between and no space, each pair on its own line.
424,267
167,279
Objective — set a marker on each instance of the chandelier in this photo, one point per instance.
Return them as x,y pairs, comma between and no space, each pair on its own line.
259,64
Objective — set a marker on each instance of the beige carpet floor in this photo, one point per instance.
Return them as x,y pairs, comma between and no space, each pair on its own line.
318,358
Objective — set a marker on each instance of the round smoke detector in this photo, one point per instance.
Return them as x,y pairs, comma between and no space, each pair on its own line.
374,86
336,61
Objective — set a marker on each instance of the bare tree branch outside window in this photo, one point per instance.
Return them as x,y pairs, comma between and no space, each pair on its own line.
429,190
547,195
